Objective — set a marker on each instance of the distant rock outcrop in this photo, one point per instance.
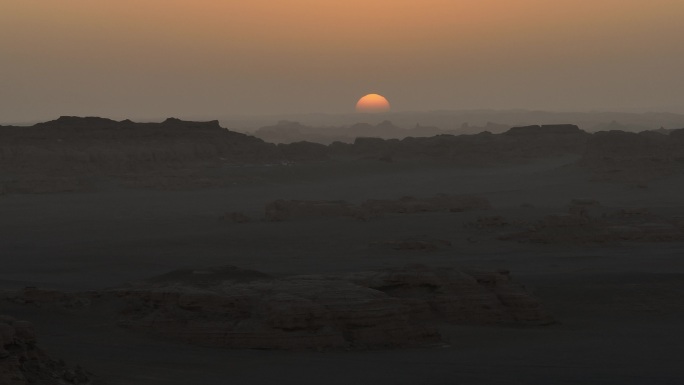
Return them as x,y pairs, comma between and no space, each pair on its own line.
550,129
516,145
291,132
22,362
631,157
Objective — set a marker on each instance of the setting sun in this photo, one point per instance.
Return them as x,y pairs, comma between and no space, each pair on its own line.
372,103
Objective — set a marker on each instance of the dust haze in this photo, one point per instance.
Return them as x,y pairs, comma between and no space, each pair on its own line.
187,195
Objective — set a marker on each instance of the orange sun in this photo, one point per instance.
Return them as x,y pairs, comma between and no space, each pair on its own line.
372,103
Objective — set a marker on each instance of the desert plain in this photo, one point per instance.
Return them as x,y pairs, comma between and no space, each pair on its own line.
595,242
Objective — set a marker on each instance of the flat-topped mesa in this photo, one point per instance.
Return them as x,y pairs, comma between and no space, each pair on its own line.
546,129
97,123
174,122
77,122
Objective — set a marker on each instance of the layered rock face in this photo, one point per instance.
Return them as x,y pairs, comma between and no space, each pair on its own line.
281,210
372,309
22,362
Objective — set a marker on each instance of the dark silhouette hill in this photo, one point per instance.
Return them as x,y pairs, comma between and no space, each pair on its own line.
70,153
288,131
626,156
108,144
515,145
459,122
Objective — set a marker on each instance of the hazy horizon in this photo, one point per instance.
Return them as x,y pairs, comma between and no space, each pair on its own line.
151,58
352,192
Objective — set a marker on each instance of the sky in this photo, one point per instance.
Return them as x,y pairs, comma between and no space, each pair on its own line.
208,58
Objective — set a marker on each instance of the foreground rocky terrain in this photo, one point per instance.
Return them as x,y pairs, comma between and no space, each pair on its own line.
235,308
22,362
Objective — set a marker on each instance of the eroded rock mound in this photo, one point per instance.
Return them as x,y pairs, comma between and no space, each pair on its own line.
471,296
373,309
312,312
236,308
22,362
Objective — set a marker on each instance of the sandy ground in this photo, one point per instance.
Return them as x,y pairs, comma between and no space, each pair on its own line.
619,305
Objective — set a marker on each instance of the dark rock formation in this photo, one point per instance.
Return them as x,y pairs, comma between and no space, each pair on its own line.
387,308
103,144
235,308
470,296
516,145
22,362
71,153
550,129
291,132
630,157
303,151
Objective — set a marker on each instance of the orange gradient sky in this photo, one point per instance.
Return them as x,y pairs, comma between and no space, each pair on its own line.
156,58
